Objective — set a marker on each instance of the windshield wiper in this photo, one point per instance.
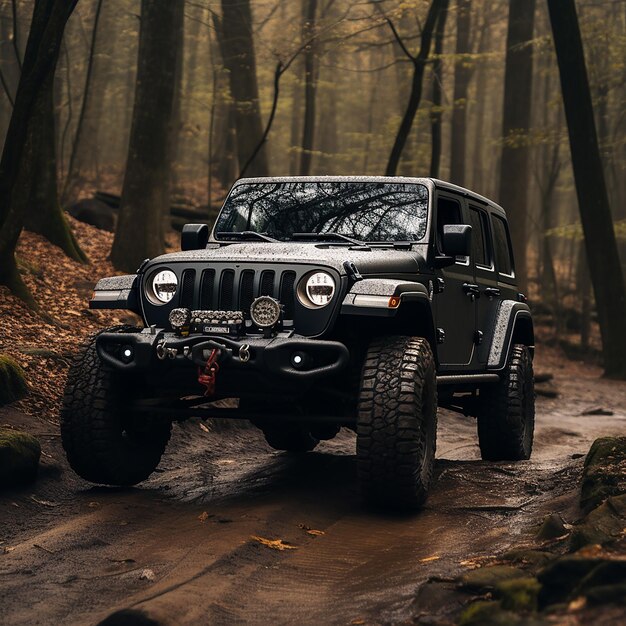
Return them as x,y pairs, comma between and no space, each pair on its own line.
327,237
247,234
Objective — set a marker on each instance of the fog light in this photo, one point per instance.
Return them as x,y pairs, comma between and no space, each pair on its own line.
179,318
127,354
265,312
298,360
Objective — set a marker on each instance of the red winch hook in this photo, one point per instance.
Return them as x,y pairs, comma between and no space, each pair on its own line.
206,376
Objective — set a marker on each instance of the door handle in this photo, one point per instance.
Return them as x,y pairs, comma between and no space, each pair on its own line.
471,290
492,292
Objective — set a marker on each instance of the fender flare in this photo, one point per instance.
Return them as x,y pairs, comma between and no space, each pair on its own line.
117,292
513,324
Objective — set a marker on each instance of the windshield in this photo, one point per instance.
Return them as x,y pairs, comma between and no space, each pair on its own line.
367,211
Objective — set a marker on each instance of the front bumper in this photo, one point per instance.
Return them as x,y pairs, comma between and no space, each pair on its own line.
287,357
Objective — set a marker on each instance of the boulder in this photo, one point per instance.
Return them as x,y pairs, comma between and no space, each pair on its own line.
553,527
95,212
12,381
19,458
603,524
486,578
604,472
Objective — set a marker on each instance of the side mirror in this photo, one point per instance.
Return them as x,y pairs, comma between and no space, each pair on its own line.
194,237
457,240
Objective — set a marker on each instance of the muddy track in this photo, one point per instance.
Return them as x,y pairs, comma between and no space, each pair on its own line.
73,553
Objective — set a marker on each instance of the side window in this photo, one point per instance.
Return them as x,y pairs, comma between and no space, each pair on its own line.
448,212
480,233
502,244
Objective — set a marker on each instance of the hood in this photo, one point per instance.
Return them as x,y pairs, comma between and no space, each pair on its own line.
371,261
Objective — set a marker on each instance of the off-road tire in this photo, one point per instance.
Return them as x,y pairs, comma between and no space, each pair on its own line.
506,411
397,423
290,438
102,442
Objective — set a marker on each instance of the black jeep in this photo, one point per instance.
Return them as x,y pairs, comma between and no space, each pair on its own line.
316,303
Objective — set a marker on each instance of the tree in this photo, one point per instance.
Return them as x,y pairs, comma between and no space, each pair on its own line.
436,112
310,87
146,189
419,62
462,75
514,166
19,162
593,199
234,31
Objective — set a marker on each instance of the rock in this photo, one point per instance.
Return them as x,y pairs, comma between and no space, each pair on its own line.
487,614
19,458
519,594
604,472
603,524
552,527
486,578
95,212
532,558
606,583
12,381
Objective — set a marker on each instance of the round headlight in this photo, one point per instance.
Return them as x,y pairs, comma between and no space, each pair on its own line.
164,286
265,312
318,291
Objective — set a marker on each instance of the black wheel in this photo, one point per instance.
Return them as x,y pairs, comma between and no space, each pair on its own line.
506,413
290,437
104,442
397,422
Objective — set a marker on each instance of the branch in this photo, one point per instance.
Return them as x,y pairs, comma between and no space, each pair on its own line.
5,86
16,47
399,40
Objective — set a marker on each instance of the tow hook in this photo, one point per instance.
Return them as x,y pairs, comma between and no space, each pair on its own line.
163,352
244,353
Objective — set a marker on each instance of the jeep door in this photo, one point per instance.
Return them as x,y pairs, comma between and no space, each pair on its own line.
482,259
455,311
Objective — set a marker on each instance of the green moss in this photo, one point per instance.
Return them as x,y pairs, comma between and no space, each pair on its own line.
519,594
12,381
604,473
19,458
483,613
486,578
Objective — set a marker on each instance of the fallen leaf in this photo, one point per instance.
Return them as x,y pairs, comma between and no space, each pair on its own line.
577,604
7,549
148,575
315,533
204,516
274,544
204,428
428,559
358,621
43,502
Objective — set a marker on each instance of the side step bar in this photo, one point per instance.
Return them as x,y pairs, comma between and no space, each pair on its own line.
460,379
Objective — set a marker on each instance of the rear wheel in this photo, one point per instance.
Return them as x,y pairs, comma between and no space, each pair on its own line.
104,441
397,422
506,414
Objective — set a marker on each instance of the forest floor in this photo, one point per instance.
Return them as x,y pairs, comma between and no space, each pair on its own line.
230,531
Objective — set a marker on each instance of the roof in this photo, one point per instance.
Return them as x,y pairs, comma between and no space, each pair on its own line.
429,182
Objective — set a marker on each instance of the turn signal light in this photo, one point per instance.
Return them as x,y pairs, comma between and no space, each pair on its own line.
394,302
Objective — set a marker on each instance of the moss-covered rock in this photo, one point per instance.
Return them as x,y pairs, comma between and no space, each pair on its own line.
603,524
605,583
519,594
604,473
532,559
12,381
485,613
486,578
19,458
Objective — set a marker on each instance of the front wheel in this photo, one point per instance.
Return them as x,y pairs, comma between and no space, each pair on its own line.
506,413
104,441
397,422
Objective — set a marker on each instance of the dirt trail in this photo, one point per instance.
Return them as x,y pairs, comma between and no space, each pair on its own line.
75,553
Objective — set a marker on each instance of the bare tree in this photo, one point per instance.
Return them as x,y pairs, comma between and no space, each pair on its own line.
310,87
593,199
18,166
146,190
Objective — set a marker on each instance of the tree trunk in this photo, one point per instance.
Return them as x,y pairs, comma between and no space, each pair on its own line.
462,75
514,166
18,166
237,45
82,164
310,88
415,95
593,203
436,111
146,190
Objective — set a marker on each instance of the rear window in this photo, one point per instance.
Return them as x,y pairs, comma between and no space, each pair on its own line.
502,245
